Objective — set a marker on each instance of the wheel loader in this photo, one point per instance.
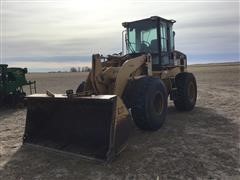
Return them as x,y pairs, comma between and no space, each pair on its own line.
133,86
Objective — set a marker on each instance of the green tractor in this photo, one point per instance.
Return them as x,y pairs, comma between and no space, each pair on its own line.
12,81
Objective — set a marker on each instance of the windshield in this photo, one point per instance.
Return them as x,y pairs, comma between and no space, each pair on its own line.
142,37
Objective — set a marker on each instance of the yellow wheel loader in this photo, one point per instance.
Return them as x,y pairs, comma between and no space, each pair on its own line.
133,86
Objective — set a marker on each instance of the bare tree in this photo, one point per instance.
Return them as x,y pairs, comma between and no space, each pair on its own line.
73,69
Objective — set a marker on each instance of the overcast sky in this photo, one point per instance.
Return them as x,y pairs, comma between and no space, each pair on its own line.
55,35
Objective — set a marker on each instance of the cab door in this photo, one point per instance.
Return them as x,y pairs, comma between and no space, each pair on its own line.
164,48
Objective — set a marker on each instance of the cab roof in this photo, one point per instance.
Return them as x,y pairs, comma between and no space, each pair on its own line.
153,18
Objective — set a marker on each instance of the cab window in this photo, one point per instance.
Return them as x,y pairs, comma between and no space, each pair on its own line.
142,37
163,35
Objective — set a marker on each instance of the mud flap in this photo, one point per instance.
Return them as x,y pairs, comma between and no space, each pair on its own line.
94,127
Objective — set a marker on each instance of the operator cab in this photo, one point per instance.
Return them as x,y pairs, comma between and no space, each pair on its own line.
153,35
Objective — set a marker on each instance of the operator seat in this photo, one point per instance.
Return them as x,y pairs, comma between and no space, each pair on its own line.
154,46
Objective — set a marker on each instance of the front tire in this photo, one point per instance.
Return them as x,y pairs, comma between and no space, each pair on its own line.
147,98
186,95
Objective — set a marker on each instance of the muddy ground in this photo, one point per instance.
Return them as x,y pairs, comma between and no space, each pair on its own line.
200,144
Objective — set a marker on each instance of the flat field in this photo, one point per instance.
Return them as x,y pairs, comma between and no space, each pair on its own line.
203,143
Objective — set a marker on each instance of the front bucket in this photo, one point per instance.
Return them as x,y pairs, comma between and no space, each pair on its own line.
89,126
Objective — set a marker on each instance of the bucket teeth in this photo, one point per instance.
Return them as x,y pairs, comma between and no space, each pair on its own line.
96,127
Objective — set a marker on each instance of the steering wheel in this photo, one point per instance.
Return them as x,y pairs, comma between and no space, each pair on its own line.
145,46
146,43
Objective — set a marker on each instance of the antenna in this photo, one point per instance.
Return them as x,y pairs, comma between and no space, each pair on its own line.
1,32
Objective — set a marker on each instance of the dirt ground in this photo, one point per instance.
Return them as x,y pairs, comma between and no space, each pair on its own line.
203,143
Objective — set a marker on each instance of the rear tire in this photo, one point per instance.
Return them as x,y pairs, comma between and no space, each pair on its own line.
81,87
147,98
186,95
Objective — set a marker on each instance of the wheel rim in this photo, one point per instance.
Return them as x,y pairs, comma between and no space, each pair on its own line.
191,92
158,103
